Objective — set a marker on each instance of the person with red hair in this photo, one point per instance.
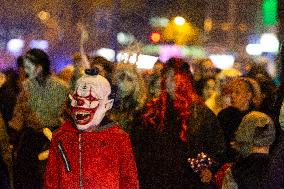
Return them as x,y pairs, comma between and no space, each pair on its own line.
177,126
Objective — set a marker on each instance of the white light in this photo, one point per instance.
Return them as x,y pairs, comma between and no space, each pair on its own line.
133,58
163,22
254,49
122,57
179,21
39,44
15,46
146,61
124,38
106,53
269,43
222,61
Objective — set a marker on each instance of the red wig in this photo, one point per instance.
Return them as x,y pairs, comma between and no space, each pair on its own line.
185,95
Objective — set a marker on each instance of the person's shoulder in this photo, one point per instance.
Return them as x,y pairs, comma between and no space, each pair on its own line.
59,82
66,127
229,111
117,130
202,109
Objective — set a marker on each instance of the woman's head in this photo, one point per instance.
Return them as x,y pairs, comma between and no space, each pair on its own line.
176,84
245,94
177,80
130,84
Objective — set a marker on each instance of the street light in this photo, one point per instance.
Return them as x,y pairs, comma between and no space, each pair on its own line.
181,32
43,15
179,20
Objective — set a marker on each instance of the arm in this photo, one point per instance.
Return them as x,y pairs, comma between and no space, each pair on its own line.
84,38
17,120
229,182
212,135
23,114
128,171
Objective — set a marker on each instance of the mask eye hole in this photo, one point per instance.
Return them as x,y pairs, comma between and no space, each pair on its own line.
79,102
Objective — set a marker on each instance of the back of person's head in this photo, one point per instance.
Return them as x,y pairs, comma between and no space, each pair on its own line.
99,60
256,130
39,57
20,62
106,67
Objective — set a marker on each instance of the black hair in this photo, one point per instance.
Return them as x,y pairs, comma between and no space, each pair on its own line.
39,57
93,71
20,61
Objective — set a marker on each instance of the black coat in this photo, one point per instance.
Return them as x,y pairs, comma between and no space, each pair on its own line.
275,173
162,157
249,172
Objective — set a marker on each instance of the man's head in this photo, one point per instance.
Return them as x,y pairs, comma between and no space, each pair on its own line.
36,62
89,101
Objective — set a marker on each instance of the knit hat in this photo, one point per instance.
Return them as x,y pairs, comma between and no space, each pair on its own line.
256,129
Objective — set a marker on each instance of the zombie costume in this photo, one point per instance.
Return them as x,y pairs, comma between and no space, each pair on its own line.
91,152
176,126
162,157
39,105
130,95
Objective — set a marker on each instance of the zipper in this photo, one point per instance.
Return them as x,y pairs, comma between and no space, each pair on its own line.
80,162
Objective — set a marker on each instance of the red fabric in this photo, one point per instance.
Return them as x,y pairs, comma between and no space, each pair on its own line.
106,156
220,174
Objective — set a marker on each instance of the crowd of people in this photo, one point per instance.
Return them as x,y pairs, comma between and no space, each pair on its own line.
182,124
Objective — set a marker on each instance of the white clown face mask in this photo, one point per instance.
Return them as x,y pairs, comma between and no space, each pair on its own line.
90,101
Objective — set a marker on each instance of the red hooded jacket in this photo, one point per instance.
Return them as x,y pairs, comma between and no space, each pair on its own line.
101,159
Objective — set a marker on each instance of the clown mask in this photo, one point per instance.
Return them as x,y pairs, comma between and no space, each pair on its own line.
90,102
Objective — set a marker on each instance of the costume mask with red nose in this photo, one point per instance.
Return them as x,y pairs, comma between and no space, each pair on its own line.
89,101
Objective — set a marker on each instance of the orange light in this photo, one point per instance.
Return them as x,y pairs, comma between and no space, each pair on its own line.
155,37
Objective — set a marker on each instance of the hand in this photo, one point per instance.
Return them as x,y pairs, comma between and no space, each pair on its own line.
205,175
47,132
44,155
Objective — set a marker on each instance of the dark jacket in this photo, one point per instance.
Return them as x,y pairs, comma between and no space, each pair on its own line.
162,156
229,120
247,173
275,173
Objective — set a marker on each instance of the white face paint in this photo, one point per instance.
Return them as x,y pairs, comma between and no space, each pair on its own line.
90,101
170,84
30,68
126,84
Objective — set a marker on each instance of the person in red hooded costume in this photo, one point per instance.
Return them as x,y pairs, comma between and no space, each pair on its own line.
91,152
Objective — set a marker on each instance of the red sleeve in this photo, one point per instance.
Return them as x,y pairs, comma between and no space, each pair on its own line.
128,170
220,174
51,180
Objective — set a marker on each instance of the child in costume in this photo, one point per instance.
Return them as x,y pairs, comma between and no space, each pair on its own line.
90,151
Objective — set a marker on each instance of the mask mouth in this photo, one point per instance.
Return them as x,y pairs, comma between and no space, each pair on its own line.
83,116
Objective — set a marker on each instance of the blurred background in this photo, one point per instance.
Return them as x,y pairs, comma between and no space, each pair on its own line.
144,31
